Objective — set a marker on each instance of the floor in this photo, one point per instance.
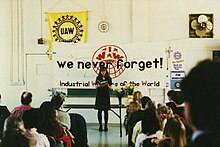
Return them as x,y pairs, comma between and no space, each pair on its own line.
111,138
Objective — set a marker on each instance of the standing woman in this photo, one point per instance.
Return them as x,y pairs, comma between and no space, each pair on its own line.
102,103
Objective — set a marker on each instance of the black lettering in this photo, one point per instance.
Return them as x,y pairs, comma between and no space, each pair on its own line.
127,64
71,30
132,63
119,63
66,31
148,64
80,63
61,64
95,64
62,31
141,65
70,64
156,62
88,65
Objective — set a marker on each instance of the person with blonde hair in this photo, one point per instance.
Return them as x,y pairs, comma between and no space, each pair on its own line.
174,133
137,95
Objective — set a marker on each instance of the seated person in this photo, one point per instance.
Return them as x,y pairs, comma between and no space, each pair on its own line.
174,134
62,116
26,99
31,120
201,92
4,113
164,113
132,107
170,104
50,125
138,126
150,129
137,97
13,133
136,116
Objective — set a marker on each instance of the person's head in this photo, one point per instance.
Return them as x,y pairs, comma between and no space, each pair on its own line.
201,91
151,104
32,118
137,95
177,97
103,71
13,134
169,93
144,101
133,106
13,125
57,100
162,112
26,98
150,122
48,110
175,130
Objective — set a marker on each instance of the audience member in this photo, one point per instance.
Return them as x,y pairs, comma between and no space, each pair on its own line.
132,107
13,133
135,117
174,133
26,99
159,105
32,120
178,100
137,95
170,104
4,113
138,126
201,91
50,125
62,116
150,129
164,113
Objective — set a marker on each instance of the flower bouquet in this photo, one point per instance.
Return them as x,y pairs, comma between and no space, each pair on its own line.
126,90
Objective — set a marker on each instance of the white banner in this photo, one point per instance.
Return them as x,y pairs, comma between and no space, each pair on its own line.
76,66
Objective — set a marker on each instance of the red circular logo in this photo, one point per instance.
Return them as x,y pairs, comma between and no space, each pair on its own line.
108,55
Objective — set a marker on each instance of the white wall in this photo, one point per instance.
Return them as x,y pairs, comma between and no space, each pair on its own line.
130,21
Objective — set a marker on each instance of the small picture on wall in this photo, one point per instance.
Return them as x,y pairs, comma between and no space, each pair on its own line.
200,25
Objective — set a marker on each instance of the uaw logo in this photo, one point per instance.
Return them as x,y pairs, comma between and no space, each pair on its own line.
108,56
67,29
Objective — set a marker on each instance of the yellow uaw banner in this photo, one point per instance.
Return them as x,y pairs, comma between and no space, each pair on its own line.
68,26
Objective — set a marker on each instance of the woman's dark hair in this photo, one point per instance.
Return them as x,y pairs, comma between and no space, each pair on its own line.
150,122
144,101
177,97
26,98
169,93
57,100
32,118
50,124
13,133
13,125
48,110
102,69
